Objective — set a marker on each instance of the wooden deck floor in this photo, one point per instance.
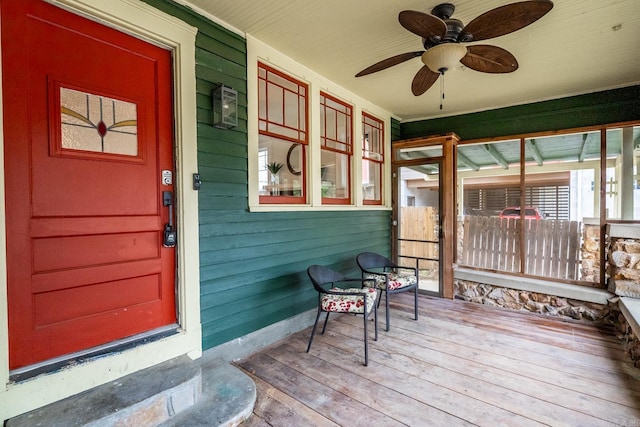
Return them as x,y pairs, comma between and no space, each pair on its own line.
459,364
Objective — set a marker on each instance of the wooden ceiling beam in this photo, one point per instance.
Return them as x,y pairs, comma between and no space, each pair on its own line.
535,152
583,149
496,156
467,162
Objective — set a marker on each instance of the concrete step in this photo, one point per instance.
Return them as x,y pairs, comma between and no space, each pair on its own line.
228,398
178,392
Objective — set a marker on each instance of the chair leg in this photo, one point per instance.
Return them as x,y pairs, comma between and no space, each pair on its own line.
386,301
366,343
375,320
325,324
313,331
415,297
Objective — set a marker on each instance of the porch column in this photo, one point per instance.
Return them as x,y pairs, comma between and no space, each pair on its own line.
626,174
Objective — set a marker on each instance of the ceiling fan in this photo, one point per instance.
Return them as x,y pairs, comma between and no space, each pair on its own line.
442,38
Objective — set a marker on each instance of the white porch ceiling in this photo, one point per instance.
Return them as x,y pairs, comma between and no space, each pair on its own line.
581,46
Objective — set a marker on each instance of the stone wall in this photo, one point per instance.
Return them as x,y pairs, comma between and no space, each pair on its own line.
534,302
590,262
632,342
623,267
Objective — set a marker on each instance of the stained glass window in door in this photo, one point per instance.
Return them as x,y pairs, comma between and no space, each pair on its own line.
97,123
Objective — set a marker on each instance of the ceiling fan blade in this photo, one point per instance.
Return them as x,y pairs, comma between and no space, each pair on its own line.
489,59
389,62
506,19
425,25
424,79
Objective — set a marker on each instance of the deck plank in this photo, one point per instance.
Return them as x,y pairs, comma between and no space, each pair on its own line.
459,364
273,406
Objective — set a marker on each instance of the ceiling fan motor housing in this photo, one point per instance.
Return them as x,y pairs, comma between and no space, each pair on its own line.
453,35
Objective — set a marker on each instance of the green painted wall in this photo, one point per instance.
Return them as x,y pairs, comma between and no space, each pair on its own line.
618,105
253,265
395,130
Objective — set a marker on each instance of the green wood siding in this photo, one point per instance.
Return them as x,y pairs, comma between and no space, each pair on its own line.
253,265
395,130
618,105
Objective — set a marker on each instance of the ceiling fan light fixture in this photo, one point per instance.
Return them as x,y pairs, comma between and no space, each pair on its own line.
443,57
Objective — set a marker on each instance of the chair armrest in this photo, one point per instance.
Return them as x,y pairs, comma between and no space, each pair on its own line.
347,280
378,272
414,269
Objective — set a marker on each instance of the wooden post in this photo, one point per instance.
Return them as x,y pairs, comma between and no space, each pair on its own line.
448,210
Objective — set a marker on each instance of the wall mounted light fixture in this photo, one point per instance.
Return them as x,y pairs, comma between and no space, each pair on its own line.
225,107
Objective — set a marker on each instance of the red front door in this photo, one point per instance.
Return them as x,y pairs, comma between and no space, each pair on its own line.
87,142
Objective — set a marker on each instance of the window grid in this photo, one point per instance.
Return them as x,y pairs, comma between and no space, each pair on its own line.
282,119
372,159
330,138
336,136
373,137
289,120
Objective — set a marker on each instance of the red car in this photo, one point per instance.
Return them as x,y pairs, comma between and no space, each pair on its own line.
514,212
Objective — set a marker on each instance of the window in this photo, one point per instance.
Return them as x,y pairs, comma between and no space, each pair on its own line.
305,140
372,159
89,125
283,137
553,183
337,149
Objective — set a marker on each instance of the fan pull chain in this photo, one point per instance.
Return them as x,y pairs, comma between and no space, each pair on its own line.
441,89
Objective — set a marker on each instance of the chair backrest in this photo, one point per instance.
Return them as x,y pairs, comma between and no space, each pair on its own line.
369,260
320,275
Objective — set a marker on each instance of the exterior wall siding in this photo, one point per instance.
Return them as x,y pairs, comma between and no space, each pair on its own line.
253,264
598,108
395,130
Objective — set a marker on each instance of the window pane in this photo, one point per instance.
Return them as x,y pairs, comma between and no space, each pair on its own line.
552,240
562,186
275,108
371,180
262,101
335,172
302,115
489,174
283,137
336,140
330,124
282,82
335,126
373,158
292,114
373,135
280,168
282,105
96,123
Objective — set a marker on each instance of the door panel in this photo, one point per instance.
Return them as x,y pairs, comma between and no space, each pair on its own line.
86,264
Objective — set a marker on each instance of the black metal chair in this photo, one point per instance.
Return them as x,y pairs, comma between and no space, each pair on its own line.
390,277
334,299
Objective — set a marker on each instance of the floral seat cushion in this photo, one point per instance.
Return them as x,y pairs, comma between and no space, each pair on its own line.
396,281
349,303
